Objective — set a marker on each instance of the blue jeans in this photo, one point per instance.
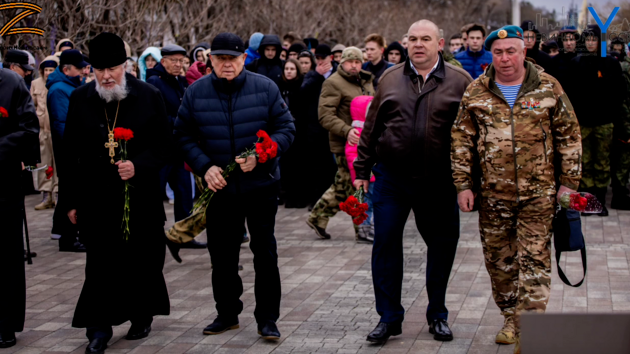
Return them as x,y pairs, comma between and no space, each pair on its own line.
367,198
179,180
437,219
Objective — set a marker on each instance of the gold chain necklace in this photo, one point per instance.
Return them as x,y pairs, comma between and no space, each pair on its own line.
111,144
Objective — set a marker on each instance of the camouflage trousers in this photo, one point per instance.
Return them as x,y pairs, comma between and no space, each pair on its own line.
187,229
328,205
620,166
516,239
596,144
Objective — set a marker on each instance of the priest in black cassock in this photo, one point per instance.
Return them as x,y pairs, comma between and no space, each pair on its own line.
123,277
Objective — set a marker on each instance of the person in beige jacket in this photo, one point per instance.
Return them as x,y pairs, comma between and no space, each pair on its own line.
46,185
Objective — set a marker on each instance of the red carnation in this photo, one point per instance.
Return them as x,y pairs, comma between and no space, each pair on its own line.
3,113
49,172
123,134
263,135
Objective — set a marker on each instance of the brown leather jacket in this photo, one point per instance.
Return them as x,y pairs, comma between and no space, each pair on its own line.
408,126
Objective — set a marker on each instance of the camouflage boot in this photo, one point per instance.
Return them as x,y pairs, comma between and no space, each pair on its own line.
507,334
517,347
47,202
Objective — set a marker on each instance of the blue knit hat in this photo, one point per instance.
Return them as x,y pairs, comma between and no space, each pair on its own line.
503,33
254,41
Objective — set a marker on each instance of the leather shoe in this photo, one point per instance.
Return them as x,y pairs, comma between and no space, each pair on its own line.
7,339
318,230
383,331
221,325
138,332
174,249
96,346
604,211
77,247
439,329
194,244
269,330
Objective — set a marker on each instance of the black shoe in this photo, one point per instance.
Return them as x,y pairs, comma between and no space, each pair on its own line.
383,331
174,249
194,244
318,230
7,339
77,247
440,330
604,211
269,331
138,332
220,325
620,202
96,346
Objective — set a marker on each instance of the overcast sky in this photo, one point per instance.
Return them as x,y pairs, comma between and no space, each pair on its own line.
558,4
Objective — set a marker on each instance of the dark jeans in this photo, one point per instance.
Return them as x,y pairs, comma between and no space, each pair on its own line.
106,332
437,220
225,216
179,180
13,293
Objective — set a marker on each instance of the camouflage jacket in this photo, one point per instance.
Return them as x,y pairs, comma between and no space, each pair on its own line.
516,147
450,58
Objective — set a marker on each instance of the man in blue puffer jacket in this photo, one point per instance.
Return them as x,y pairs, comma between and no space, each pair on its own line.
60,85
476,58
218,119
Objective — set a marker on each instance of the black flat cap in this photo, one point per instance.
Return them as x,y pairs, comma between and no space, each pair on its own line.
18,57
172,49
227,44
323,50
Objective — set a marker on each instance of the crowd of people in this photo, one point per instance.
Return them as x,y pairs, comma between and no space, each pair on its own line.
497,122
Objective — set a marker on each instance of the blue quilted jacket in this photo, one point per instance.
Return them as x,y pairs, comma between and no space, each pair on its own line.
218,120
474,62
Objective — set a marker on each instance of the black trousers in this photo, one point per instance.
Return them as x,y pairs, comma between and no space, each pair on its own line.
226,215
13,293
62,225
437,219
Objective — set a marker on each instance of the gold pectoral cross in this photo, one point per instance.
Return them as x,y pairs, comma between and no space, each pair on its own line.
111,145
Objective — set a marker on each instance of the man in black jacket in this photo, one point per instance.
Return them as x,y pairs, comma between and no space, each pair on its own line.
269,64
19,144
532,38
321,167
165,77
567,45
219,118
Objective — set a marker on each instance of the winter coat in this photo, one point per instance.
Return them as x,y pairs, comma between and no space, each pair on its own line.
19,136
358,111
271,68
311,91
376,70
142,65
39,92
60,87
218,120
541,58
516,146
110,257
196,71
171,87
338,91
408,126
254,44
475,63
396,46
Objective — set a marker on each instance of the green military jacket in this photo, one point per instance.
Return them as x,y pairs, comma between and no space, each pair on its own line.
514,148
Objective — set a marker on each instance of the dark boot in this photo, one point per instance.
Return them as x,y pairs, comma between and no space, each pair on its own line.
601,196
620,199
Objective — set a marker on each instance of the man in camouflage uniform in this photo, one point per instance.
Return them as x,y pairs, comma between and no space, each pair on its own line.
620,154
338,92
512,120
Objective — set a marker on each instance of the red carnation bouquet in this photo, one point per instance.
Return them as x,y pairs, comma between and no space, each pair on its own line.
265,149
3,113
122,135
582,202
355,207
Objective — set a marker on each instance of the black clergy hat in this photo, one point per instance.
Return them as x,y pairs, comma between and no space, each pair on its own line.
107,50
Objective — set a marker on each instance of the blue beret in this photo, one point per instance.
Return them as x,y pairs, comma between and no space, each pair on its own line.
503,33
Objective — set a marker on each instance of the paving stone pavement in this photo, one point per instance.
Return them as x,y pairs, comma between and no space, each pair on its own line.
328,301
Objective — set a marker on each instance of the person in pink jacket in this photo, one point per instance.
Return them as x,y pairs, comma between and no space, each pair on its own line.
358,111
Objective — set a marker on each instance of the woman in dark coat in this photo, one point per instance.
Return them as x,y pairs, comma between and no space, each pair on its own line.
123,277
292,163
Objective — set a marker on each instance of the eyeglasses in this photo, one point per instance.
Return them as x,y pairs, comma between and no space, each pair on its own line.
176,61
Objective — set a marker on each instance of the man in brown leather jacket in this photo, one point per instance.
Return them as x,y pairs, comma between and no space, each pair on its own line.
406,142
